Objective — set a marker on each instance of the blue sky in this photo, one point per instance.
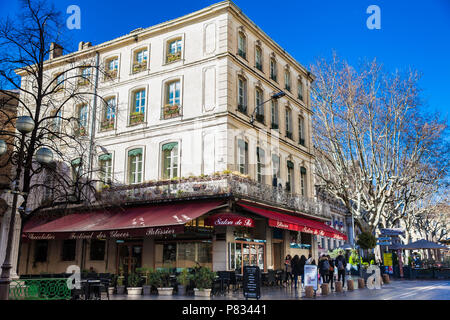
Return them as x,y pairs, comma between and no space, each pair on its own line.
413,33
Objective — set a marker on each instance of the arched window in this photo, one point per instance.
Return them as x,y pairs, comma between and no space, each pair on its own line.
275,114
301,130
172,103
258,58
137,112
273,69
287,80
303,181
242,45
288,114
109,114
259,96
140,60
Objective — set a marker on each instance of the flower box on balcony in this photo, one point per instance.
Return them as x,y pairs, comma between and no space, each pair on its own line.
139,66
171,111
107,125
81,131
110,74
136,117
83,82
171,57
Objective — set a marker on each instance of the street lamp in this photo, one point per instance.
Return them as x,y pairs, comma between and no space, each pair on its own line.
24,125
275,96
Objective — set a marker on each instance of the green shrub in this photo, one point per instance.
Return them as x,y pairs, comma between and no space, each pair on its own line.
203,278
134,280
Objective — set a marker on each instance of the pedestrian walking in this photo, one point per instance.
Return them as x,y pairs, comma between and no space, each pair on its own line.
310,259
331,272
288,269
302,269
340,265
296,269
324,268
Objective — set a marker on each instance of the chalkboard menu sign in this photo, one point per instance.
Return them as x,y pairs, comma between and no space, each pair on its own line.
252,282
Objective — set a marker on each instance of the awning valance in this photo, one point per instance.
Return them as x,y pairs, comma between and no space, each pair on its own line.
169,146
134,152
159,219
229,220
105,157
285,221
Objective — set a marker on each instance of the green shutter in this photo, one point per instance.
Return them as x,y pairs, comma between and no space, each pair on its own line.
302,170
290,164
76,162
169,146
105,157
134,152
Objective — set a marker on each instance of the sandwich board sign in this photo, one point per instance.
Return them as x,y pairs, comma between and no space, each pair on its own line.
311,276
252,282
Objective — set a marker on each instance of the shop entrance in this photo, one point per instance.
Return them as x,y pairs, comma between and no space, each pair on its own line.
129,256
248,254
277,257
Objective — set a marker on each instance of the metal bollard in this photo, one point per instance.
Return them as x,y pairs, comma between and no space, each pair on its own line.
338,286
309,292
361,284
325,289
386,278
350,285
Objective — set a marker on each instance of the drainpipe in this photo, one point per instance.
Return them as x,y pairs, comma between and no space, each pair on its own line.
93,117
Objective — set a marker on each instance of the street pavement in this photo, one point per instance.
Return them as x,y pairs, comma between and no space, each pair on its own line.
395,290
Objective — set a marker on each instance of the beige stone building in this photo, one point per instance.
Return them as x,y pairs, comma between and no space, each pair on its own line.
196,180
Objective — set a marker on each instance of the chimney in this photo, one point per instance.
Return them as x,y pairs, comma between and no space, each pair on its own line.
80,46
87,45
55,50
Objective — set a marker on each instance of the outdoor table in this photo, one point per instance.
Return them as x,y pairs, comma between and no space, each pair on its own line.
87,284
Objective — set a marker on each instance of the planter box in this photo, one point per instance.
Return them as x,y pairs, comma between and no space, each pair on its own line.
147,290
202,293
134,291
165,291
111,290
120,290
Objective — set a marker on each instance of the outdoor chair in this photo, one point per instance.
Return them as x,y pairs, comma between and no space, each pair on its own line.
226,278
216,287
233,280
271,278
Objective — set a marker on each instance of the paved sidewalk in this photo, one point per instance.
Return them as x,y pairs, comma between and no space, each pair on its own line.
395,290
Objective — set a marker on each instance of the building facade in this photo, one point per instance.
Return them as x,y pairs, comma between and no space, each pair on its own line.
186,175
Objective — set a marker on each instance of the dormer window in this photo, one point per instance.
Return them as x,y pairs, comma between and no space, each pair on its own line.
140,60
174,48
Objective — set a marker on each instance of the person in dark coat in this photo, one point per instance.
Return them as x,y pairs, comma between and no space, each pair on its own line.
331,273
302,268
341,264
324,268
296,269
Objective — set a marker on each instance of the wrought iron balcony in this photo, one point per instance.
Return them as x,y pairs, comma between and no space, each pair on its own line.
231,184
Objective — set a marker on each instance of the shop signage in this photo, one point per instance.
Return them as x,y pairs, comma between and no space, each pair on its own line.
311,276
229,220
305,229
252,282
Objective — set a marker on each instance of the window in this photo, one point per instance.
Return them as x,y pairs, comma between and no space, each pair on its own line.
303,181
140,60
112,67
290,176
288,123
138,110
172,108
59,85
242,95
258,58
40,251
300,90
259,106
287,80
260,155
68,250
242,156
174,48
109,114
97,250
275,114
242,45
169,153
301,132
82,115
105,164
135,166
85,76
275,166
273,69
56,122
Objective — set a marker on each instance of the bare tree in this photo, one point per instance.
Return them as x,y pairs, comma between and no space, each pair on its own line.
373,140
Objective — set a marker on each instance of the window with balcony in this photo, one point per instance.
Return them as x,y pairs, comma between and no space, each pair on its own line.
137,113
258,58
242,95
135,166
303,181
242,45
300,90
287,80
275,114
172,102
242,156
301,131
288,114
273,69
112,68
259,105
85,76
82,116
105,164
109,114
140,60
173,50
260,162
169,152
290,176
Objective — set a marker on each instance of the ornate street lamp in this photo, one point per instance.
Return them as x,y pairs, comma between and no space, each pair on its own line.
3,147
44,156
275,96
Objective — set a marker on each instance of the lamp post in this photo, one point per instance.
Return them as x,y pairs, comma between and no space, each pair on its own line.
24,125
275,96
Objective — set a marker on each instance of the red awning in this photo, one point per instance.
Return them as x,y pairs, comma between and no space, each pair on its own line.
153,220
229,220
284,221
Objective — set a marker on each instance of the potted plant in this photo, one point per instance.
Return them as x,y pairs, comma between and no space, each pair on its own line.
120,287
183,280
133,284
164,288
112,284
146,274
203,279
